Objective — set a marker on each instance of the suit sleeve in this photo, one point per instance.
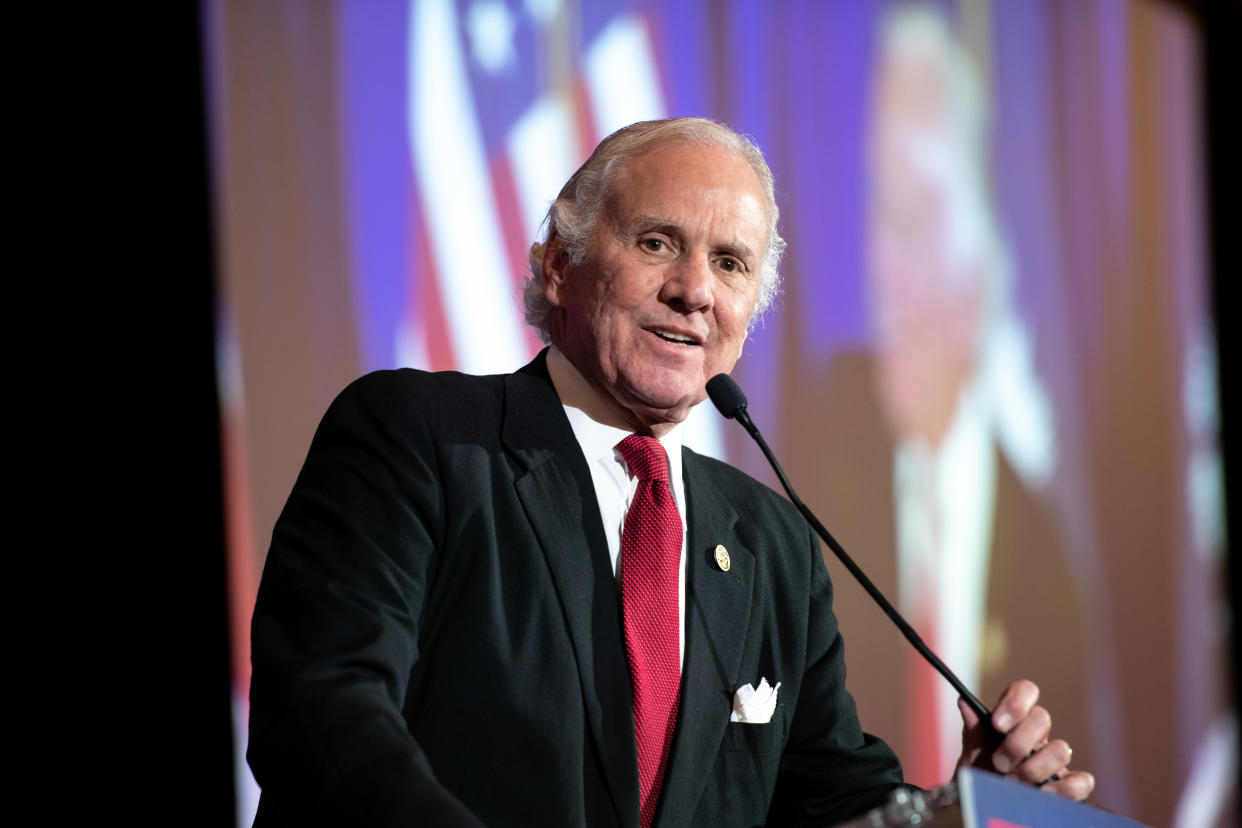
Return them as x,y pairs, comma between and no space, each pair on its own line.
336,625
830,770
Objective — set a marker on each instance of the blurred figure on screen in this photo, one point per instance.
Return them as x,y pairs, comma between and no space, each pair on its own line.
963,424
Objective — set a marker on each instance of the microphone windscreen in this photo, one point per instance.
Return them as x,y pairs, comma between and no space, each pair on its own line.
726,396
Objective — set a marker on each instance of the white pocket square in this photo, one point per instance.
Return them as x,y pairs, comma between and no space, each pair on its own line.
753,705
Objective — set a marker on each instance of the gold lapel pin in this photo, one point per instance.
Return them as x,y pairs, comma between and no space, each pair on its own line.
722,558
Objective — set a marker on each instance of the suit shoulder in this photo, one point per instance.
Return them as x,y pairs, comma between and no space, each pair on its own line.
443,386
392,401
427,390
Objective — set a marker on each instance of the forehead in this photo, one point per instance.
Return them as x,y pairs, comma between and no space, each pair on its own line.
689,182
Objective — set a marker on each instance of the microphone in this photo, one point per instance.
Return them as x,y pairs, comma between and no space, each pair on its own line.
731,403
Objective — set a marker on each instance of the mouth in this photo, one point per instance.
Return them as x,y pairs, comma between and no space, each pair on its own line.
675,337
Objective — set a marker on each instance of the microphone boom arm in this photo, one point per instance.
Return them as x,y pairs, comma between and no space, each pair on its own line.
731,403
908,631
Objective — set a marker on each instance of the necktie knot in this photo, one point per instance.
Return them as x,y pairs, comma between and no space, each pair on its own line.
645,457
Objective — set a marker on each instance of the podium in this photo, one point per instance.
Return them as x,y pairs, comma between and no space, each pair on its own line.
978,799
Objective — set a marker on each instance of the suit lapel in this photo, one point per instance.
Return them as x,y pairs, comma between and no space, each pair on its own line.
718,606
558,496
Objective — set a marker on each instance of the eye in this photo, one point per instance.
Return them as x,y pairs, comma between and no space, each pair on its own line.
729,264
652,245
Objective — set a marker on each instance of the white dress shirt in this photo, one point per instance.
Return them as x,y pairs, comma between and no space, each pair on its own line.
614,484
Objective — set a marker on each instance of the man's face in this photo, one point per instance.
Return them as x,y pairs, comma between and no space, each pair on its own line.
661,302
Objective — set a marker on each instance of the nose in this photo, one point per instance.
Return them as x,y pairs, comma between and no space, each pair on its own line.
691,284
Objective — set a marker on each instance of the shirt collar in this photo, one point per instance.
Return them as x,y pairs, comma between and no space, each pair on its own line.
587,412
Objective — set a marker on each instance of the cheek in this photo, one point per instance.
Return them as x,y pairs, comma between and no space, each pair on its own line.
732,323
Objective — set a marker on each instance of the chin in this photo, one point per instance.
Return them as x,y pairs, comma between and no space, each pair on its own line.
660,387
653,409
685,397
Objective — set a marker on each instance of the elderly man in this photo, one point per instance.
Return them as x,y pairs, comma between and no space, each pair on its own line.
519,600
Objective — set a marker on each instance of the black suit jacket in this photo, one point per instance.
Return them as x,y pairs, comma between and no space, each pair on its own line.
437,638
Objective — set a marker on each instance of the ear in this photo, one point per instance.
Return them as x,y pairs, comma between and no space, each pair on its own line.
554,266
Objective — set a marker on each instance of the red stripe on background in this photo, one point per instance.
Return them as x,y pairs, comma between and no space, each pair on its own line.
584,121
655,36
428,313
505,192
517,246
922,763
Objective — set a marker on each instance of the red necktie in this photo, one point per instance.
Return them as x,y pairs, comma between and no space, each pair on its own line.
922,762
650,566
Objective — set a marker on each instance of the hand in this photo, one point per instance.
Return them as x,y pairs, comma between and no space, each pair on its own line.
1026,753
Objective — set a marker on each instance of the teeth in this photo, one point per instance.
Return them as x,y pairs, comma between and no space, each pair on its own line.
675,337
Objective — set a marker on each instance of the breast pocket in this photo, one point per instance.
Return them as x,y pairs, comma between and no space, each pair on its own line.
756,738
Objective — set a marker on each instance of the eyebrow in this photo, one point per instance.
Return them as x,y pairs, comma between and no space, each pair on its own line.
646,224
739,251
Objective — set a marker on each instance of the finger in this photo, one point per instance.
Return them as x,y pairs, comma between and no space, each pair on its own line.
970,719
1043,764
1075,785
1014,704
1030,734
972,738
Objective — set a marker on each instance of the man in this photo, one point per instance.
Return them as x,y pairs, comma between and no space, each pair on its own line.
457,623
948,415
